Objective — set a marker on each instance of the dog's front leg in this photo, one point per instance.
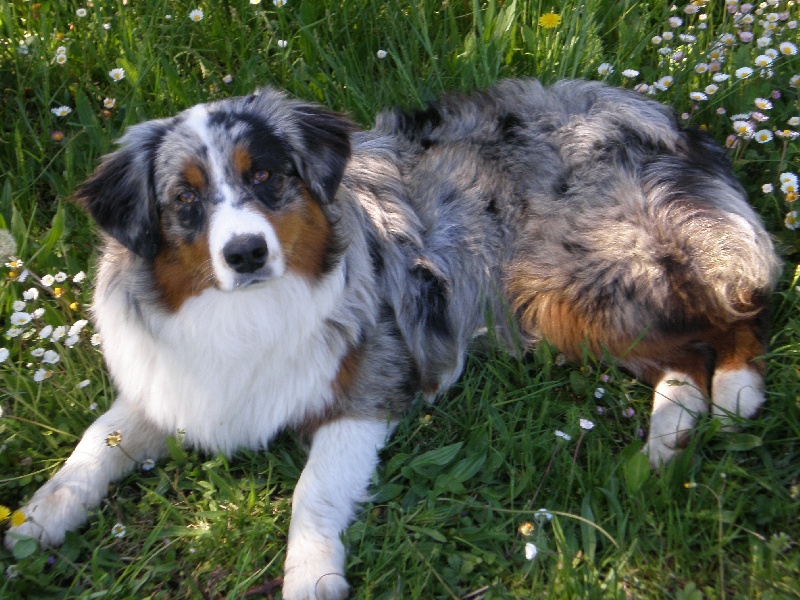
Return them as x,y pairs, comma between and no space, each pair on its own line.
343,456
110,448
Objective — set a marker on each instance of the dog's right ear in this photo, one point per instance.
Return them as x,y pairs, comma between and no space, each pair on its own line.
120,194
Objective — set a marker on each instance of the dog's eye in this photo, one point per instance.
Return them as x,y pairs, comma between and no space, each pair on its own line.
260,176
187,196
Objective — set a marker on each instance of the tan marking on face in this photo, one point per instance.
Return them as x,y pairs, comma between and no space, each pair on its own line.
183,271
304,234
242,161
194,177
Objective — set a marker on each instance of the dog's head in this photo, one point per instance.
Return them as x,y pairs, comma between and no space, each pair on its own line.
228,194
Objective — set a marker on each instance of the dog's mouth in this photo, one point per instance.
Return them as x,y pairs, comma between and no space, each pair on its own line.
245,281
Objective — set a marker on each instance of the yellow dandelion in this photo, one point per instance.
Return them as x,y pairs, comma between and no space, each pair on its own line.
5,512
17,518
549,20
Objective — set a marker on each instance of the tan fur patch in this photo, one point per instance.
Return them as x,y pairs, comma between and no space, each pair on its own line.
183,271
194,176
304,234
647,355
738,347
242,160
348,372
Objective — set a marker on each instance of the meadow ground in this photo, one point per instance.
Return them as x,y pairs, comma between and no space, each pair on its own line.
527,480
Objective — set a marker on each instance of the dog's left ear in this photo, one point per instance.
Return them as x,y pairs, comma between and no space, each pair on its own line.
325,152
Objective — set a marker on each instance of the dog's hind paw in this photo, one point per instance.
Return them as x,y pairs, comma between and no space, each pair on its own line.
736,393
676,403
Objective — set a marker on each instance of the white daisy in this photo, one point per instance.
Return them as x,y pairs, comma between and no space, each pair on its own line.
530,551
762,136
41,375
77,327
605,69
61,111
51,357
18,319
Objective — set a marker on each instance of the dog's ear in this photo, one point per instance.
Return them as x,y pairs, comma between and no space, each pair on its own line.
325,138
120,194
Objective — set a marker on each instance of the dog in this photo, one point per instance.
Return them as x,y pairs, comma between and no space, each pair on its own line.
267,265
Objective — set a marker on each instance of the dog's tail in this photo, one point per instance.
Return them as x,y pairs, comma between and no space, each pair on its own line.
714,253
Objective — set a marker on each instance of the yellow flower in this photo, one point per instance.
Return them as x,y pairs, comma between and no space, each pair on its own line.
549,20
114,439
5,512
17,518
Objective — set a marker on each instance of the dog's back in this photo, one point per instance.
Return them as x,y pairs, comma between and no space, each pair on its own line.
594,217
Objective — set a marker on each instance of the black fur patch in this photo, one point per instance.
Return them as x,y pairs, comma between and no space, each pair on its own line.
120,194
432,299
326,136
419,123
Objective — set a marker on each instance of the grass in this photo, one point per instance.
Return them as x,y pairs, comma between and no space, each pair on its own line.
457,496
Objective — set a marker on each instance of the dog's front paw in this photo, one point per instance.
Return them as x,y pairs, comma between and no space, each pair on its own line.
54,510
330,586
315,571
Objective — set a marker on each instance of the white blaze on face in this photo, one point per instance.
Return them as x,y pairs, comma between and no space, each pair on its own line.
227,222
229,218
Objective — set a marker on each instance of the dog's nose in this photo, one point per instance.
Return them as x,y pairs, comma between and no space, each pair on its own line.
246,253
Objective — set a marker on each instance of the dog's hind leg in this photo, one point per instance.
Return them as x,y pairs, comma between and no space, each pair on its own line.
679,397
738,382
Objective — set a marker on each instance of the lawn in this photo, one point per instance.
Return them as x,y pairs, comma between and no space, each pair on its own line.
526,480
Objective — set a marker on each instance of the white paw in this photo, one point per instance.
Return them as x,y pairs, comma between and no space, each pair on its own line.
315,571
737,392
53,510
659,451
676,403
331,586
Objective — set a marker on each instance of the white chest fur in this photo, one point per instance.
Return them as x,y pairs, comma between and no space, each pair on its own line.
230,369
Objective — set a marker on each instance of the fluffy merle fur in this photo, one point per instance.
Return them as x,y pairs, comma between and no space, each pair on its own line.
521,203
